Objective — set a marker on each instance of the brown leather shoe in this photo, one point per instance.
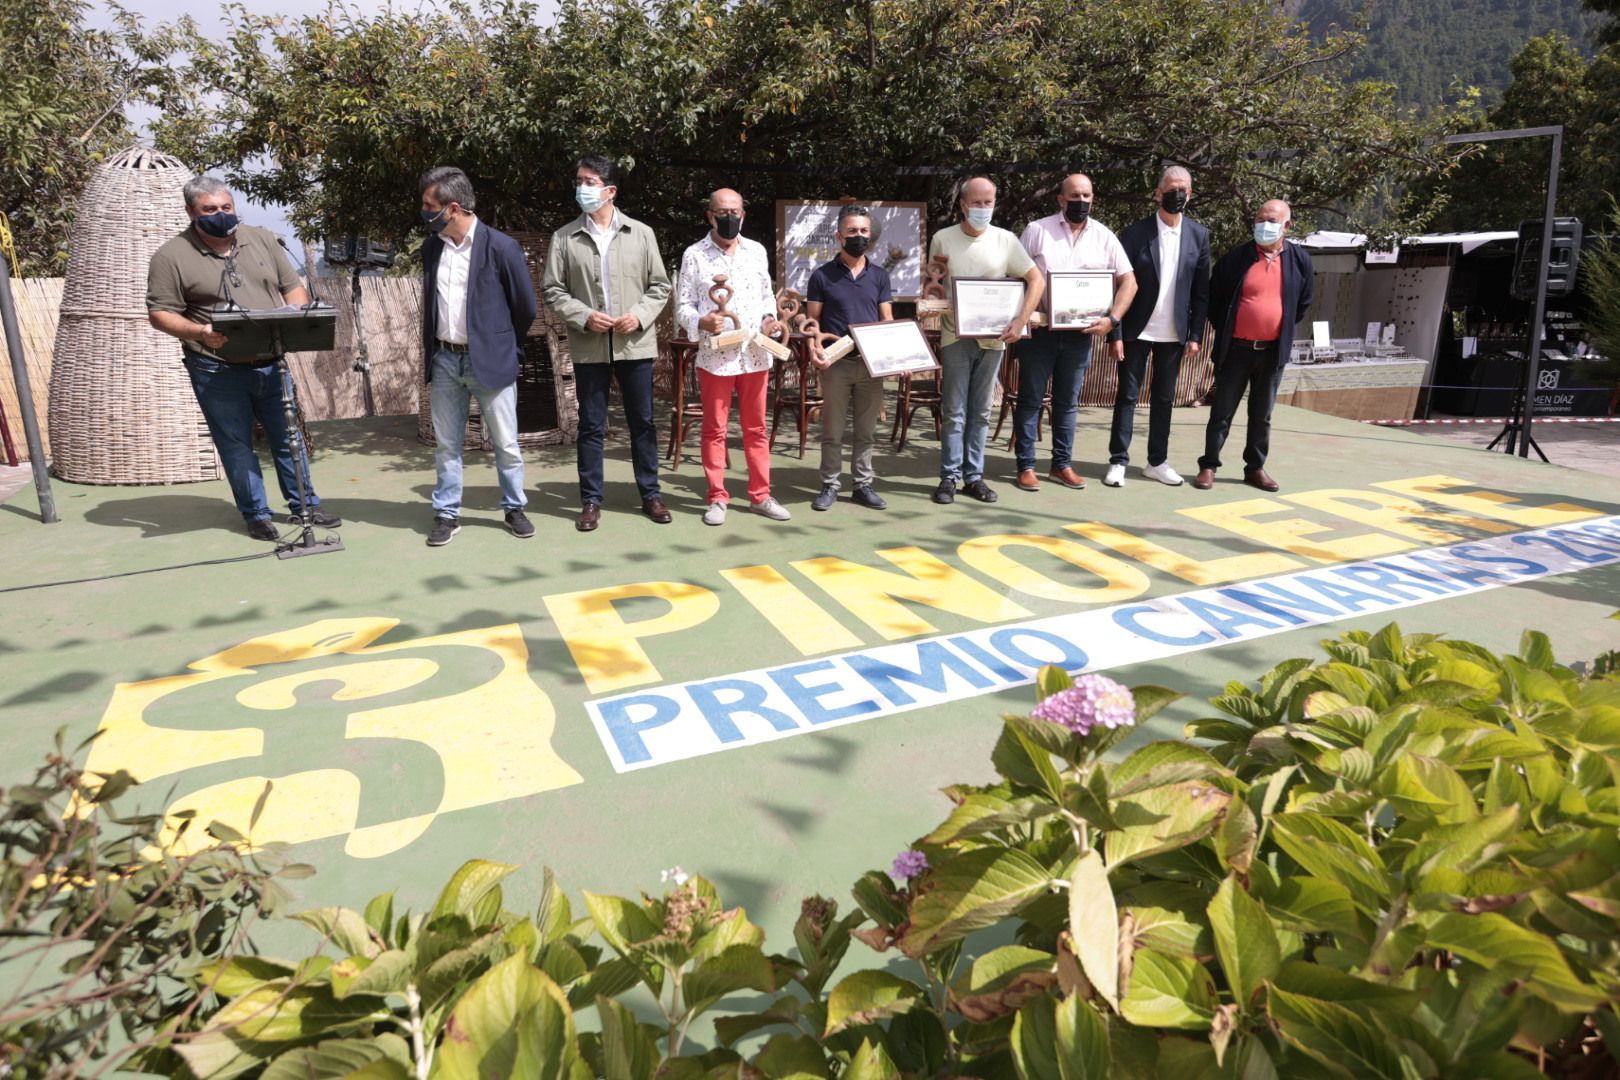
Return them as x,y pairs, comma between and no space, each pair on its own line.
655,509
1258,478
1067,477
1027,480
590,515
1204,480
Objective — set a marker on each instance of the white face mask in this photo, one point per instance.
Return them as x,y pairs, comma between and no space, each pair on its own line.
589,197
1267,233
979,216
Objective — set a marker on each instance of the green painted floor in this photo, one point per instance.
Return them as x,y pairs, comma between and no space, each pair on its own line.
505,738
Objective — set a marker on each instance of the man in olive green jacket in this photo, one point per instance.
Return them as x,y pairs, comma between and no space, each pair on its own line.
605,277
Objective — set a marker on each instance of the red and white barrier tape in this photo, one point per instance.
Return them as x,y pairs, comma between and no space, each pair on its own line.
1499,420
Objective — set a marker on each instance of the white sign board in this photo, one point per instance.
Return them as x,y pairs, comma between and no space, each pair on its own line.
806,237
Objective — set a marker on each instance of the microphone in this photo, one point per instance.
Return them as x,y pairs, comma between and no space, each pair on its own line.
309,282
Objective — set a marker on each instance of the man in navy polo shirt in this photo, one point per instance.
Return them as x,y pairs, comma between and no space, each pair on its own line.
849,289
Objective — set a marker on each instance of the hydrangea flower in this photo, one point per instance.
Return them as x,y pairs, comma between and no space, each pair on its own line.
1093,701
909,864
676,874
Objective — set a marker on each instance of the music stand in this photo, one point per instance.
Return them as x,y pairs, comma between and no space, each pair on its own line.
268,335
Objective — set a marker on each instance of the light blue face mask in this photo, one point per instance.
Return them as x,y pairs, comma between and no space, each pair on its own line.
589,197
979,216
1267,233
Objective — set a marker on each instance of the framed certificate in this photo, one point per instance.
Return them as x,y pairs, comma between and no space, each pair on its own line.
985,307
893,348
1077,298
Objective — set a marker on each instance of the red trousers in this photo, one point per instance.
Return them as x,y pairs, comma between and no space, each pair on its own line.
716,391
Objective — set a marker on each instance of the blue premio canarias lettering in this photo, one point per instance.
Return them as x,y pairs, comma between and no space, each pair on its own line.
1346,597
1130,618
807,697
934,663
749,701
617,717
1276,601
1224,620
1069,656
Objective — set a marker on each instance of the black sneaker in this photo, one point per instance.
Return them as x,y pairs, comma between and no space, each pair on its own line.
865,496
319,518
443,529
519,524
825,500
263,529
946,492
979,490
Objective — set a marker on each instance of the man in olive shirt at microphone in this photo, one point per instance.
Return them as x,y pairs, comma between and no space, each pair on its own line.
218,260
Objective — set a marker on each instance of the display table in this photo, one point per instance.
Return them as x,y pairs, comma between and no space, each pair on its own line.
1355,389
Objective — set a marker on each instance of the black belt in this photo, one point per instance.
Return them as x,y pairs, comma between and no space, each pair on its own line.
451,346
1255,346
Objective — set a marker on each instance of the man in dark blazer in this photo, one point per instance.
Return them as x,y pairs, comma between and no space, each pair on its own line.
1258,293
477,306
1170,255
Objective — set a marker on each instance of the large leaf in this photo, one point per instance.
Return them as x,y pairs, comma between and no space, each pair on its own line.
1335,1036
1025,763
989,811
1001,981
238,975
969,892
338,1059
1060,1040
1330,849
1164,819
871,1062
344,928
868,996
1168,991
1094,926
629,1048
277,1013
740,967
1427,788
625,925
1245,940
464,894
514,1022
790,1057
1160,763
1310,905
1491,939
387,974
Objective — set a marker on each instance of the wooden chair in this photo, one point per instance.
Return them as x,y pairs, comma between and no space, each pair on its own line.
803,398
1009,399
917,392
688,409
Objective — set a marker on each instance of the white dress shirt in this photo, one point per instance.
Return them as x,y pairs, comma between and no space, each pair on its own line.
1161,325
602,238
752,299
1055,246
450,286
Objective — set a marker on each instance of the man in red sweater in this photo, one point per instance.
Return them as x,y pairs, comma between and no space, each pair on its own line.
1258,293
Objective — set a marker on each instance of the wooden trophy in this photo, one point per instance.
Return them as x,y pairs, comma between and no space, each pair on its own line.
936,299
788,305
830,346
721,294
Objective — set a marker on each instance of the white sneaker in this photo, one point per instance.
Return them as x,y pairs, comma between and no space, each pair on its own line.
715,514
769,507
1115,476
1164,474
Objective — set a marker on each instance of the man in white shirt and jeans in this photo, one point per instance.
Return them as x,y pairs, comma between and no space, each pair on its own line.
743,368
1070,239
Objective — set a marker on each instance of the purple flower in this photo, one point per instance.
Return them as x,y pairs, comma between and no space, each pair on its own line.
909,864
1093,701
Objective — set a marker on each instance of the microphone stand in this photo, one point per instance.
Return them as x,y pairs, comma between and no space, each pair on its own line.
362,360
307,543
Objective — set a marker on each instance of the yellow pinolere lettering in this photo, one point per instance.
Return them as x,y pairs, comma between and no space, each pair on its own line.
874,596
1440,489
805,624
1403,517
1296,535
1197,571
606,645
1116,581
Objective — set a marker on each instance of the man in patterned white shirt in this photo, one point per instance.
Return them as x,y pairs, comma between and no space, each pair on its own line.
743,368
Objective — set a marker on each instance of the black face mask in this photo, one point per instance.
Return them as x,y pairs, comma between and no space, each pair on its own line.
1174,201
435,220
218,225
1077,210
855,246
727,226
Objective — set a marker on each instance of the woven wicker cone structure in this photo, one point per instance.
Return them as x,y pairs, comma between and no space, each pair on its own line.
548,406
121,406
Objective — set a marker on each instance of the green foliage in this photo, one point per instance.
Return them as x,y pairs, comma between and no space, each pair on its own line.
337,115
1400,862
97,932
62,96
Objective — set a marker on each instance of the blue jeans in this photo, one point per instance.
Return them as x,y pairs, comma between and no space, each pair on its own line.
969,376
454,385
231,397
1161,400
591,381
1062,357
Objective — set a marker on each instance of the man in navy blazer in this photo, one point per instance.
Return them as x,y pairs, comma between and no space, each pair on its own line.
1170,255
1258,293
477,306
